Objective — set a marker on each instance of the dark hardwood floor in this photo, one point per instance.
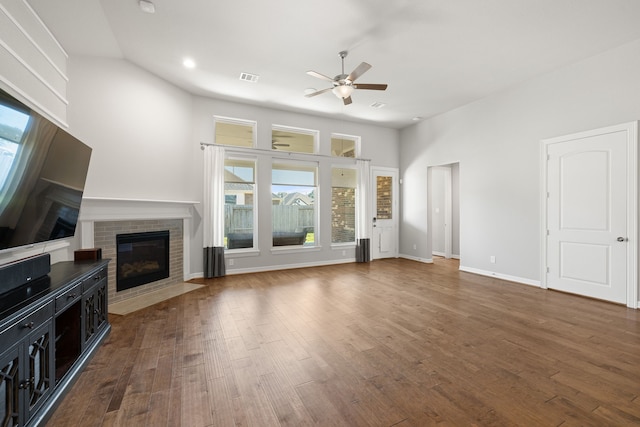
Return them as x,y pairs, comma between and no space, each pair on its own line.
390,343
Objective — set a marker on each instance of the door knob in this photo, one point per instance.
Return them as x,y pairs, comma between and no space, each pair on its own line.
622,239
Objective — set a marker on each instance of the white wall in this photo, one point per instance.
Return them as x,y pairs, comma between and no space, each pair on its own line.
497,142
379,144
33,63
139,127
146,134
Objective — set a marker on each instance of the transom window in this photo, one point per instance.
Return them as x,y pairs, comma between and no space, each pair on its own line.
234,132
294,140
345,145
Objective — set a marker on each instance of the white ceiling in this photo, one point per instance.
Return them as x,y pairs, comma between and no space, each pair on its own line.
435,55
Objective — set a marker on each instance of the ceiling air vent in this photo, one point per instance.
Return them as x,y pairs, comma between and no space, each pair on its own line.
248,77
378,104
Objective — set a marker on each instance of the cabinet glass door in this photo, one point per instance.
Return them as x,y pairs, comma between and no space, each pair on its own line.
39,369
10,388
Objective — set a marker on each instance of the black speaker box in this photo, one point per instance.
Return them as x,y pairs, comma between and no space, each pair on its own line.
22,271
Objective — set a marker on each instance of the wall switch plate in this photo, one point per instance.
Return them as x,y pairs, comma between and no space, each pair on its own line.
492,259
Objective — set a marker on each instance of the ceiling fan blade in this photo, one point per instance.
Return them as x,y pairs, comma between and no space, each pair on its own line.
318,92
320,76
347,100
360,70
370,86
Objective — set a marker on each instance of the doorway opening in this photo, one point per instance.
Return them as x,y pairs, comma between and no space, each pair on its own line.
443,228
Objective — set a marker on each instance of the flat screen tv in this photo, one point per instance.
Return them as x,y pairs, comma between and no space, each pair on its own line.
42,176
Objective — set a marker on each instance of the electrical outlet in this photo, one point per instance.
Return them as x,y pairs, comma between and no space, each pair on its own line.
344,253
492,259
415,246
231,262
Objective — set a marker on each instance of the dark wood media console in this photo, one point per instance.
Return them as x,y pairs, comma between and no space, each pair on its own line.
48,336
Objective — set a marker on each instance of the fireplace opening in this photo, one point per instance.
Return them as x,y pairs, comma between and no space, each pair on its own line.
141,258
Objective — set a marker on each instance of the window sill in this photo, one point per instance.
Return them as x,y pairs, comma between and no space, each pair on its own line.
342,246
241,253
282,250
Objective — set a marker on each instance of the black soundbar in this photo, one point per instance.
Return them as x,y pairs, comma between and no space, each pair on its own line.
22,271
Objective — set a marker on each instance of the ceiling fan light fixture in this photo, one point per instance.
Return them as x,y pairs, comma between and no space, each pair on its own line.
342,91
147,6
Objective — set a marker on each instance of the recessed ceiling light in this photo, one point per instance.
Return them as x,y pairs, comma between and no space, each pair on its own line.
378,104
147,6
189,63
248,77
416,119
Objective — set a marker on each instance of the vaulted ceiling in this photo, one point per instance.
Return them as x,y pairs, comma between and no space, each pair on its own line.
435,55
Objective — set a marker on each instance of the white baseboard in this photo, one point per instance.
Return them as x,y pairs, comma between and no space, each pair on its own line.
415,258
190,276
443,255
231,272
500,276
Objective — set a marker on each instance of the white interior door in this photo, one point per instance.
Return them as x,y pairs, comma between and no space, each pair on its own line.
384,242
589,236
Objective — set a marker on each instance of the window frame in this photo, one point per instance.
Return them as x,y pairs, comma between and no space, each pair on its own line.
354,168
316,203
357,140
255,204
290,129
239,122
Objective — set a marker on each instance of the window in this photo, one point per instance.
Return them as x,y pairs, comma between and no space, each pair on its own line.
13,123
294,140
384,193
235,132
294,189
345,145
239,191
343,205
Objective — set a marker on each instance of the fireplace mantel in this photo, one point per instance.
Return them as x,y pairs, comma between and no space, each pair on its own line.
98,209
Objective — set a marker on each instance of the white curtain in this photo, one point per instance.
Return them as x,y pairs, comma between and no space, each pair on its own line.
363,209
213,222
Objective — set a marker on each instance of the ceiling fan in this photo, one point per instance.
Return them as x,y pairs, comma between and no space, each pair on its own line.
343,84
275,144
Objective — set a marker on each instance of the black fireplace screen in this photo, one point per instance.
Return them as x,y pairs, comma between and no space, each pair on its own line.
141,258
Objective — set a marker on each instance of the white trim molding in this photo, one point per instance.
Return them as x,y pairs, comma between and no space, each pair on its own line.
97,209
415,258
500,276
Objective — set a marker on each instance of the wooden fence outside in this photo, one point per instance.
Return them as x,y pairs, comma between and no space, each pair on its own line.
286,218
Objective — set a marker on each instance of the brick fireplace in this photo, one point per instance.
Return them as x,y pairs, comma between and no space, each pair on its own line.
101,220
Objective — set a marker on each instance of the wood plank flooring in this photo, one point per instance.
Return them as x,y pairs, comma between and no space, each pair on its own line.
389,343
